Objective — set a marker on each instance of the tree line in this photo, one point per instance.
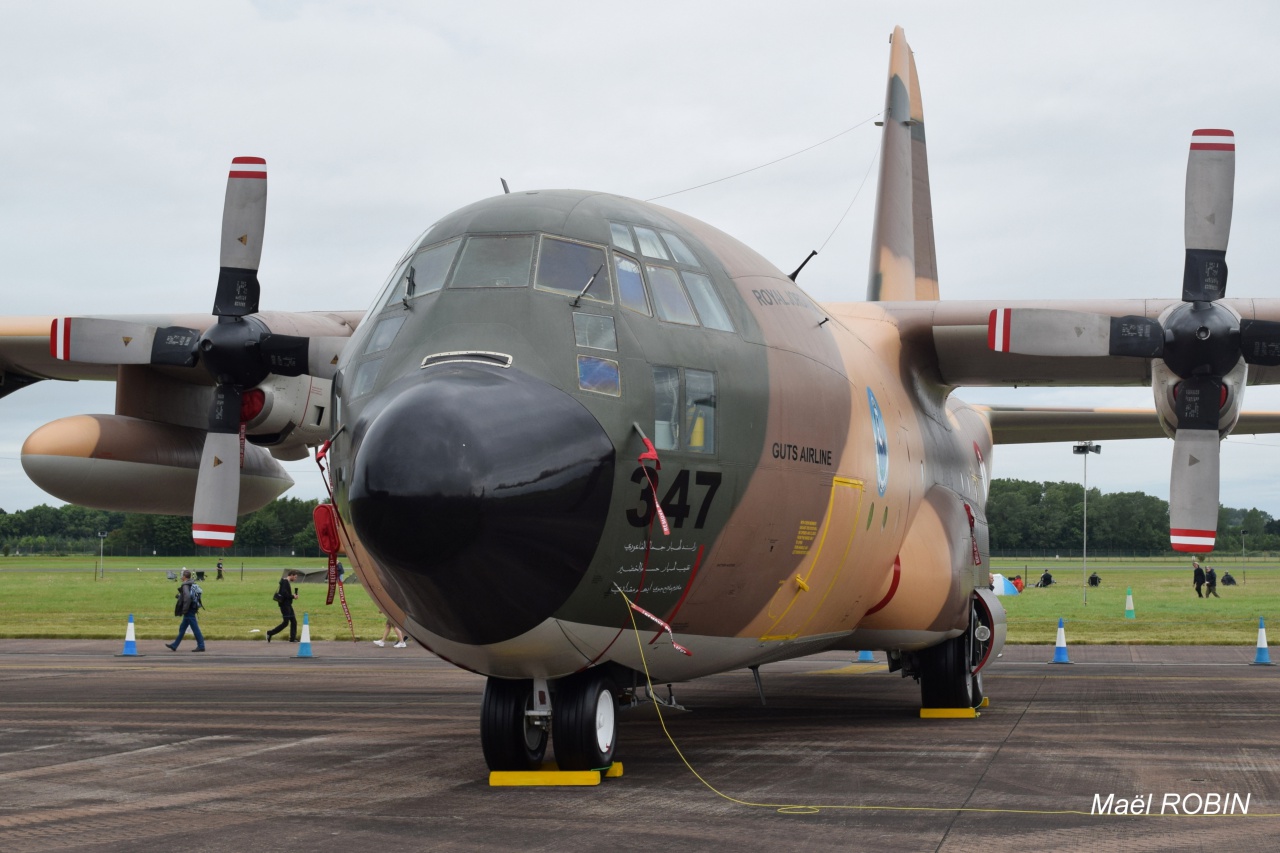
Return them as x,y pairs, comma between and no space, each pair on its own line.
1026,517
282,527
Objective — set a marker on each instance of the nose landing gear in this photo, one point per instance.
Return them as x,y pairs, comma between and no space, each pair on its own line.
583,722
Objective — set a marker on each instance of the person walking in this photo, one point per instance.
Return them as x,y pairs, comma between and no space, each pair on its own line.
1211,583
1197,577
391,626
187,607
284,597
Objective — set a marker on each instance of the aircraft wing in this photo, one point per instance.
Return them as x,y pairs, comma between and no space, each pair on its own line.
26,353
150,454
1023,425
957,334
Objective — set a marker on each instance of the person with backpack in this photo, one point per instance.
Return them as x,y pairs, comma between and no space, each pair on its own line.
187,606
284,597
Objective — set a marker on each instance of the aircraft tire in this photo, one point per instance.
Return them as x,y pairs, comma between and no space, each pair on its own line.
510,741
977,694
945,680
585,722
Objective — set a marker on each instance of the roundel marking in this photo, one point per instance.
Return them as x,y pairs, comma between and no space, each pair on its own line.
882,443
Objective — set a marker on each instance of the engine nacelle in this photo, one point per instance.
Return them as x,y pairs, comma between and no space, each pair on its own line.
1164,381
127,464
295,409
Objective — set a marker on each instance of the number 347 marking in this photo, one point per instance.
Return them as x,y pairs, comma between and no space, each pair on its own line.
675,503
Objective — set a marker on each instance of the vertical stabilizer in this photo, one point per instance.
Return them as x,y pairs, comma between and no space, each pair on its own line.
903,261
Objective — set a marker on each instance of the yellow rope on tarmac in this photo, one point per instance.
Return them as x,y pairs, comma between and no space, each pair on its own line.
812,809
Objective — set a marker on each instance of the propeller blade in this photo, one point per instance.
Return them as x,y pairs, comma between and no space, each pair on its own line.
1260,342
1198,403
284,355
244,218
293,355
213,521
1211,175
1047,331
1193,490
91,340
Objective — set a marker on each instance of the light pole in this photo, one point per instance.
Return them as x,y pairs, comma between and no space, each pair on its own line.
1244,571
102,538
1084,448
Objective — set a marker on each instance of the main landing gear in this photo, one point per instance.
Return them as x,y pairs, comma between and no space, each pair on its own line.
950,673
518,715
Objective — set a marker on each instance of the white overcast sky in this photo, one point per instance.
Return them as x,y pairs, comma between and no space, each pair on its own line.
1057,147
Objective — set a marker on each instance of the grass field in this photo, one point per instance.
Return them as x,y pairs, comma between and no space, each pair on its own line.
59,597
1165,605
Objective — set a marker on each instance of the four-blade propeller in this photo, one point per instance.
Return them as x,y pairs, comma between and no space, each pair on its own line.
238,351
1199,341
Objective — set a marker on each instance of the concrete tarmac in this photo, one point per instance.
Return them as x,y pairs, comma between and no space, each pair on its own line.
365,748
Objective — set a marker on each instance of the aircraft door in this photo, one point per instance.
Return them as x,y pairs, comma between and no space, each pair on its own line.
802,594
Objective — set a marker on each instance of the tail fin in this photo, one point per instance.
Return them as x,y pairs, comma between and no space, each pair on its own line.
903,261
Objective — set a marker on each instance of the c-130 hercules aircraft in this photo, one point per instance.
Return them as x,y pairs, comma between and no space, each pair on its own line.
563,404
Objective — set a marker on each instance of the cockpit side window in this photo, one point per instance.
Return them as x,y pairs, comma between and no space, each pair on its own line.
567,267
666,408
495,261
384,333
668,296
630,285
396,279
700,411
710,309
684,421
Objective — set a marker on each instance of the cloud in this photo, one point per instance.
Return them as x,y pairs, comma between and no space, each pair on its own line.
1057,140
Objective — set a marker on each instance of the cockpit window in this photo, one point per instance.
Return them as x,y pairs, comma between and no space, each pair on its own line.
429,268
668,296
700,411
495,261
682,253
366,376
710,309
651,244
621,236
396,279
630,285
566,267
384,333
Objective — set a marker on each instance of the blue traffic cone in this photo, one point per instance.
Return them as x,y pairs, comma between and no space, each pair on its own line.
1128,605
866,657
1060,648
130,642
304,645
1263,657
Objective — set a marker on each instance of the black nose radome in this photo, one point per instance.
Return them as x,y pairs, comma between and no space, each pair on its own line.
482,492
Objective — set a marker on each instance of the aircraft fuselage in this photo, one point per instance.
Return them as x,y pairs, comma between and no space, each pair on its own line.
493,411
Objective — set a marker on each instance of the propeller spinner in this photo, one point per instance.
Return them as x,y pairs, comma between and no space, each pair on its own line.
1199,341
